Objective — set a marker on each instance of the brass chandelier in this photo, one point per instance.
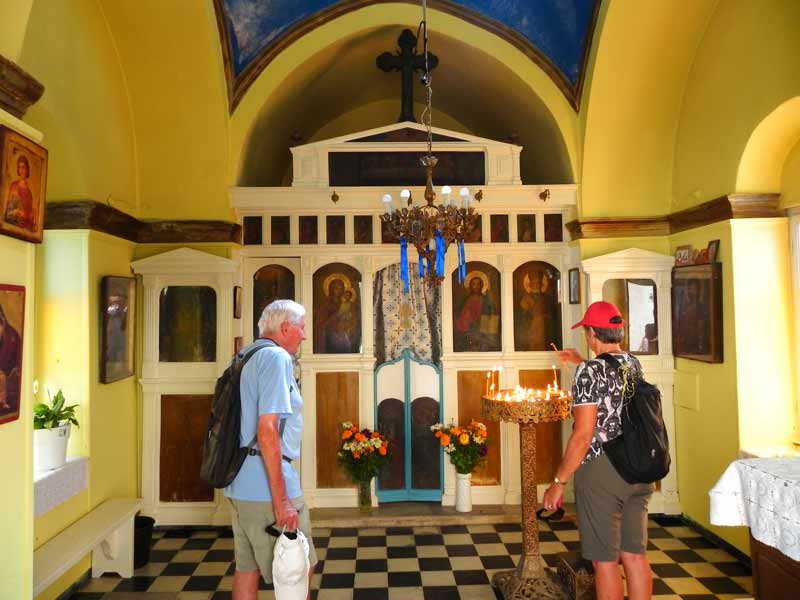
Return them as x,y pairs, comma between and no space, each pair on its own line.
433,227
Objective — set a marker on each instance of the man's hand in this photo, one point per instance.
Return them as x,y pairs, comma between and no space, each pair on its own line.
285,515
569,355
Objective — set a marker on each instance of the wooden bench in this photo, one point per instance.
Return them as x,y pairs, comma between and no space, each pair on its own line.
106,532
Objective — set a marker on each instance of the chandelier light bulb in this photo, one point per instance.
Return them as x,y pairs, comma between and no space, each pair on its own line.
387,202
446,191
464,193
405,194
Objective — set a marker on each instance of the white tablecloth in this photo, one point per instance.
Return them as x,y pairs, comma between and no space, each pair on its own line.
763,494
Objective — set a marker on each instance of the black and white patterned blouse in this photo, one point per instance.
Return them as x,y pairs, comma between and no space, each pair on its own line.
597,382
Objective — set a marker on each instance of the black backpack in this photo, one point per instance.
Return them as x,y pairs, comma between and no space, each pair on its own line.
641,453
222,456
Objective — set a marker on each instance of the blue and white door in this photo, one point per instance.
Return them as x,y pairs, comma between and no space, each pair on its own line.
408,400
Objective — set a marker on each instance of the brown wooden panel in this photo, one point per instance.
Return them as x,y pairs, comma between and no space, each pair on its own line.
775,575
471,386
337,401
548,435
184,419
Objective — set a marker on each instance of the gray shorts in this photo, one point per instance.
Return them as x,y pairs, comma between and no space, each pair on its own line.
612,513
252,544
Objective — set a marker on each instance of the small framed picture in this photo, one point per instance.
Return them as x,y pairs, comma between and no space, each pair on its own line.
697,313
574,286
713,251
237,302
12,330
118,304
684,256
238,344
23,179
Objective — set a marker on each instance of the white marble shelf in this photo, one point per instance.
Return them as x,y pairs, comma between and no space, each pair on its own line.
52,488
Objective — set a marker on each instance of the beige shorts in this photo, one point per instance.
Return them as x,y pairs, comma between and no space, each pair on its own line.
612,513
252,544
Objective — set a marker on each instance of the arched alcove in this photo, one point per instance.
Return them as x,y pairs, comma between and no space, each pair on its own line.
762,162
339,90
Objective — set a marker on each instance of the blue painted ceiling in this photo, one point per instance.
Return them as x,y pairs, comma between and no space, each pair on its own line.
559,29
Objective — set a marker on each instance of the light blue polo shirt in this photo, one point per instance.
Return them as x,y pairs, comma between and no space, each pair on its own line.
268,387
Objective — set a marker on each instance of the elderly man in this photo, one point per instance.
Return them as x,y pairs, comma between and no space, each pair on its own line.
265,496
612,514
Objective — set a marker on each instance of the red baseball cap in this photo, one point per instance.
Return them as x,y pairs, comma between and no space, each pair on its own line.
601,314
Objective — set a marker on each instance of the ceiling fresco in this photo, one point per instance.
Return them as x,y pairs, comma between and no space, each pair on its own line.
555,33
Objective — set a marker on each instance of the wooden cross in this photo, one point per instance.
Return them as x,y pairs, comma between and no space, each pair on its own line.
406,61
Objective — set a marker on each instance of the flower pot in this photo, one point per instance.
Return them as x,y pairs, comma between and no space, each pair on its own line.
364,496
50,447
463,492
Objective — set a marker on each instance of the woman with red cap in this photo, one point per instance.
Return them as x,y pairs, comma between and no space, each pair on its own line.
612,514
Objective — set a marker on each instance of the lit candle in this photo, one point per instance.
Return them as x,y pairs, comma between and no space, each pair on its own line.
488,377
555,378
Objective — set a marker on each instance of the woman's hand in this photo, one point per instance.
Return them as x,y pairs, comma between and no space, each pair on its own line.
554,497
569,355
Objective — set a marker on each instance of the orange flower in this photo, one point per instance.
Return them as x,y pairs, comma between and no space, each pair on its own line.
375,434
382,450
347,434
354,428
360,437
463,439
371,449
437,434
445,440
356,454
455,431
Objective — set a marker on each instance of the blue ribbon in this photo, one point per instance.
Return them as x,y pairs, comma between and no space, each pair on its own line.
439,254
404,263
430,262
421,267
462,262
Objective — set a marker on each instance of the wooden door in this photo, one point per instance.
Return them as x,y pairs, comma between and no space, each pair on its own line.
184,420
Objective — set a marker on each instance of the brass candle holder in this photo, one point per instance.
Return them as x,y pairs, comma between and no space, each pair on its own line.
531,579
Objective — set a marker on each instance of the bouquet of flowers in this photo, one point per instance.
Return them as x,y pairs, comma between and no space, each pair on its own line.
363,452
466,445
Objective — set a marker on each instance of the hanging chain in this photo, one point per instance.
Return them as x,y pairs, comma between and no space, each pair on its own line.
426,80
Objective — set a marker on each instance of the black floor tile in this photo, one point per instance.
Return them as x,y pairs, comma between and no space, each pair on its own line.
733,569
198,544
177,533
344,532
667,520
429,539
202,583
87,596
434,564
341,554
401,552
371,565
405,579
399,531
721,585
698,543
572,546
684,556
179,569
471,577
222,596
226,533
669,570
659,587
497,562
547,536
162,556
321,542
134,584
507,527
454,529
485,538
320,566
337,580
372,541
655,533
219,556
562,525
461,550
449,592
514,548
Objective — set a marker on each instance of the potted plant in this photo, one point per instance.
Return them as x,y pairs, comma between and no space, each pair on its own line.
51,427
466,446
362,454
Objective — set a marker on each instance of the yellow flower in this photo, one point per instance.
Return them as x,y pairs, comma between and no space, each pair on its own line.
463,439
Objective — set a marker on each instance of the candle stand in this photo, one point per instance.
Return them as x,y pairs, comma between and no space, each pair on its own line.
531,579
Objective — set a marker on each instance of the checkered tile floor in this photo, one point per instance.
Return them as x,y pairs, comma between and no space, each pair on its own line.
425,563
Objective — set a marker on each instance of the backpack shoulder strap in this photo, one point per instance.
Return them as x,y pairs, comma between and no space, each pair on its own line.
259,344
609,359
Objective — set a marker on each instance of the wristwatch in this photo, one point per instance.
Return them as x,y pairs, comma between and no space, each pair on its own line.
558,481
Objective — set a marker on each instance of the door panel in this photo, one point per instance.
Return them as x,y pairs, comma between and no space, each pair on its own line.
471,386
337,401
548,435
184,419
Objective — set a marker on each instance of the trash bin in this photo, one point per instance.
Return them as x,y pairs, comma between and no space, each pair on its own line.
142,540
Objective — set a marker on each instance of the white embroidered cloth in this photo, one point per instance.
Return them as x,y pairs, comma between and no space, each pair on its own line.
763,494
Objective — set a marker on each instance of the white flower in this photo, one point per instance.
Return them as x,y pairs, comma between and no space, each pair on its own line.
347,425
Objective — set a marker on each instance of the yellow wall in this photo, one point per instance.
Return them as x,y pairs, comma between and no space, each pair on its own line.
16,439
84,113
71,265
13,20
764,326
641,62
790,180
598,247
706,401
748,64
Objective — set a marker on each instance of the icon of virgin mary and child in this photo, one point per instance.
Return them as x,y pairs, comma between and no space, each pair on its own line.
337,322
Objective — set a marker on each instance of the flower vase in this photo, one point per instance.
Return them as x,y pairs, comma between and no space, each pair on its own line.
365,496
464,492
